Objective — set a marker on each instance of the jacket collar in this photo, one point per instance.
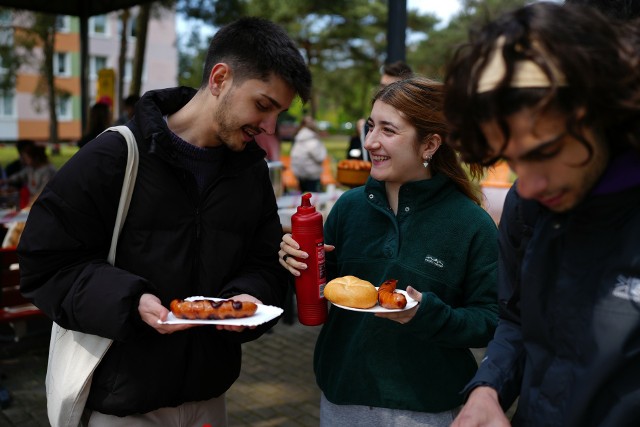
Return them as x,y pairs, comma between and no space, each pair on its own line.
419,194
154,106
622,173
149,120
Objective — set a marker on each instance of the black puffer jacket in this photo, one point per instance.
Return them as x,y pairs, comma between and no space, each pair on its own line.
174,244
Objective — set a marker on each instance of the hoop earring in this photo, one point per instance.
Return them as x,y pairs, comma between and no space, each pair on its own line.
426,162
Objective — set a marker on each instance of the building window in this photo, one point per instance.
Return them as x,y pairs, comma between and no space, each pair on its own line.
63,107
5,17
131,26
7,104
6,28
98,25
63,23
128,70
62,64
96,64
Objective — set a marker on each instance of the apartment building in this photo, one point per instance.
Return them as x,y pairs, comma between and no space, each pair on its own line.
22,115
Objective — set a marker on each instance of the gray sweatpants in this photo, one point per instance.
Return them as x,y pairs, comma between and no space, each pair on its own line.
332,415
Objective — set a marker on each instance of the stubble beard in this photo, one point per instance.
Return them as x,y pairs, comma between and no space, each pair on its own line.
226,126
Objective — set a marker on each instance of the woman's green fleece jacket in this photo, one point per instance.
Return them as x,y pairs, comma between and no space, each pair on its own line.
444,245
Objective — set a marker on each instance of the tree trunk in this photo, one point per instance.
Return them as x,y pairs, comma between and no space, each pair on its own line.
141,44
48,38
122,58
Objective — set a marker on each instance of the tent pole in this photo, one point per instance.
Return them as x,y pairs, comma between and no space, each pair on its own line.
84,66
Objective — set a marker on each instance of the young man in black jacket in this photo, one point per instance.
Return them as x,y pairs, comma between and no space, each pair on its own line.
555,91
203,221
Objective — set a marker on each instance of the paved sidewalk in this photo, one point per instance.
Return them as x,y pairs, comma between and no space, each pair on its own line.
276,387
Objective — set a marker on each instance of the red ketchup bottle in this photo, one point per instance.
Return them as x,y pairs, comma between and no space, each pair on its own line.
306,229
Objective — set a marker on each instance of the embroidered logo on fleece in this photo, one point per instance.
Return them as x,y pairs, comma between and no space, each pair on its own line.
627,288
435,261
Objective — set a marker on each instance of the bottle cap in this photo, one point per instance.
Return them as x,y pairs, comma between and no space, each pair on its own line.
305,204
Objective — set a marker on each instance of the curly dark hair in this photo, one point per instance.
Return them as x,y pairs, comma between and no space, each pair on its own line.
618,9
599,63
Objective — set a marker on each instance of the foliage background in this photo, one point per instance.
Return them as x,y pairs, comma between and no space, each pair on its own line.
343,42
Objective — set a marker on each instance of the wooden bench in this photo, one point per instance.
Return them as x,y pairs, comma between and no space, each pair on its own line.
14,308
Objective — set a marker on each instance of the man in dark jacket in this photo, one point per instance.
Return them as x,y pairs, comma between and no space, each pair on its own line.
203,221
555,91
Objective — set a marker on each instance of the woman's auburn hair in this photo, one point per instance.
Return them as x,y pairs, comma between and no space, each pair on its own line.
420,101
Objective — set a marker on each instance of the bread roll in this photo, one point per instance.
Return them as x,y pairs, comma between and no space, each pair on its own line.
351,292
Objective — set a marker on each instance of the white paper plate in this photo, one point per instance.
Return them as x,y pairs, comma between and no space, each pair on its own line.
379,309
263,314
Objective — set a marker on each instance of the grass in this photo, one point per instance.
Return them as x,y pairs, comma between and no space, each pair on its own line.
8,154
336,146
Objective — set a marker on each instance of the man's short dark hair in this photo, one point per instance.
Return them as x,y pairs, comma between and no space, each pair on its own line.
397,69
255,48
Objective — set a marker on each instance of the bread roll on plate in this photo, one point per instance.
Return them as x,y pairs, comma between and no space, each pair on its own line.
351,291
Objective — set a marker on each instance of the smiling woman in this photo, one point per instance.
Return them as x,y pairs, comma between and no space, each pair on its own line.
415,211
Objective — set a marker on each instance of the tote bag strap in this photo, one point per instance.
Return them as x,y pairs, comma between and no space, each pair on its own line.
127,186
73,355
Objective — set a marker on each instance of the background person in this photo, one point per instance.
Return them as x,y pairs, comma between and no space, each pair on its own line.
566,118
417,220
393,72
270,143
17,164
128,109
22,198
307,155
36,173
99,120
356,142
191,230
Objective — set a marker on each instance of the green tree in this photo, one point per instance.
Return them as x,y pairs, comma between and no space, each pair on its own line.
125,16
431,55
191,57
141,28
38,30
146,11
45,28
212,12
343,42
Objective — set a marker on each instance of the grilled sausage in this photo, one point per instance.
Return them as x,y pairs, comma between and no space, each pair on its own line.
204,309
389,298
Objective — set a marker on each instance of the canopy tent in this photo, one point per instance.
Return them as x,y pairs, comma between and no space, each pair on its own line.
83,9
